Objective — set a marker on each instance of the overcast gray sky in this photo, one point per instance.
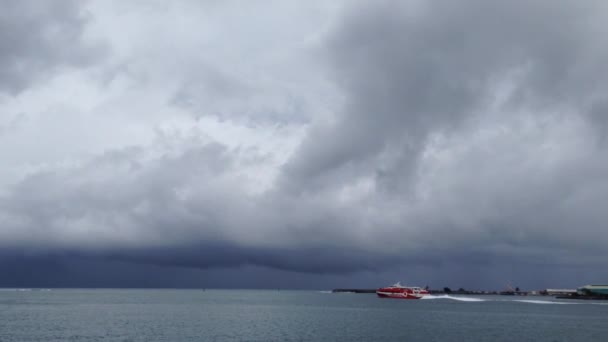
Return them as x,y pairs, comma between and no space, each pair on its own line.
306,144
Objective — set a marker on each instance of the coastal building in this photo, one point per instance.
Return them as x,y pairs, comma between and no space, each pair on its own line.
559,292
593,290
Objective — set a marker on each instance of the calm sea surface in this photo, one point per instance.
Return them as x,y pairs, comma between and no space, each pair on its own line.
248,315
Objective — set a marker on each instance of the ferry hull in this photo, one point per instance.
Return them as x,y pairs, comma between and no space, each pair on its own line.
398,295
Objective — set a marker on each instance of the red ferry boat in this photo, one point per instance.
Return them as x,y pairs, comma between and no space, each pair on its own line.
402,292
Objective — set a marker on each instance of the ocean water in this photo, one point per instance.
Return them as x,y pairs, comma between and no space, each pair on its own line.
250,315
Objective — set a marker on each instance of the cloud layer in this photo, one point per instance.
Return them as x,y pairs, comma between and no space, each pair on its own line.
363,137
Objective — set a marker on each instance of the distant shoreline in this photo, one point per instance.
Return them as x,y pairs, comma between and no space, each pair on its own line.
478,293
457,292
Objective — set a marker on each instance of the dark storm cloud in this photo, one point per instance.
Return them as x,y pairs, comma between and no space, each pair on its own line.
38,39
214,254
413,69
419,73
471,138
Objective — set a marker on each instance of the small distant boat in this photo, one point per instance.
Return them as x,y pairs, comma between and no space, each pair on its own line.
402,292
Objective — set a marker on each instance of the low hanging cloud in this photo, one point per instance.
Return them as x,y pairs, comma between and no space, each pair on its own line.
468,134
